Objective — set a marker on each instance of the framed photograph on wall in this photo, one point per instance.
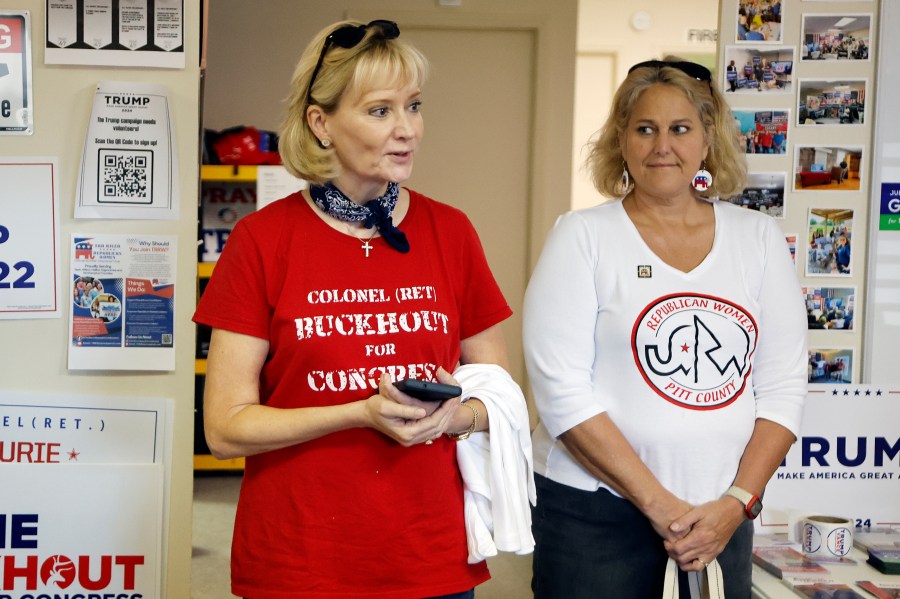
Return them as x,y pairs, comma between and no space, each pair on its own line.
830,366
764,193
759,69
834,102
763,131
836,37
830,308
829,242
827,168
759,22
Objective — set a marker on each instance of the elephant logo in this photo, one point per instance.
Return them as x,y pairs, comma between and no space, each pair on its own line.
695,350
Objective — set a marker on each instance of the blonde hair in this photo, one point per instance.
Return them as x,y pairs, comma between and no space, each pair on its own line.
725,160
345,72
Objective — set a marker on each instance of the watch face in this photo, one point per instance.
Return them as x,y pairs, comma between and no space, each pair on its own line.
754,507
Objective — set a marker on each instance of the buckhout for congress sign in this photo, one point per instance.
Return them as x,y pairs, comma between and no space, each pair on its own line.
88,531
82,496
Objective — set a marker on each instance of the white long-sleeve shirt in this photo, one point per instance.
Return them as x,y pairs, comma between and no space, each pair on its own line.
683,363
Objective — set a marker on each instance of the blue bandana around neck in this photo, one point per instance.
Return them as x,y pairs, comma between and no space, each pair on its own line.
375,212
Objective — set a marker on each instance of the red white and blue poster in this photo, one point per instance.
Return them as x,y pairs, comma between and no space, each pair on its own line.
122,298
15,73
83,495
29,238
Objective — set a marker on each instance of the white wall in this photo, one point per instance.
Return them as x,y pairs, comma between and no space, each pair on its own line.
610,40
34,351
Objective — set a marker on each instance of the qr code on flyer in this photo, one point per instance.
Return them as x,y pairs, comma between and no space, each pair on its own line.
125,177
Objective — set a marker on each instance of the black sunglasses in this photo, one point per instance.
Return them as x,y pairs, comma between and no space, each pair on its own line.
347,36
691,69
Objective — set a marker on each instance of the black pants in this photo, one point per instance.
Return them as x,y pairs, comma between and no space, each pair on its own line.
594,544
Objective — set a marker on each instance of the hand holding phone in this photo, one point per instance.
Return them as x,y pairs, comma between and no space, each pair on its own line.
428,391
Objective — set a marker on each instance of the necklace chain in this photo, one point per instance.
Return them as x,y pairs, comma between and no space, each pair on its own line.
366,246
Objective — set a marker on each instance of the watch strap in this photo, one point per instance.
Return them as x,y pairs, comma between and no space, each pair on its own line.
751,502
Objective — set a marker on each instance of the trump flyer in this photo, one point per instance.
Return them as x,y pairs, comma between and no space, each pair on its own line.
122,297
129,166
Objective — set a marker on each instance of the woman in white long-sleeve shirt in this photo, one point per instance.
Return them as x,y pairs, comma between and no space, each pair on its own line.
665,340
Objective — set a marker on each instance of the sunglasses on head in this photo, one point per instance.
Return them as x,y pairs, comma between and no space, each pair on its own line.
691,69
348,36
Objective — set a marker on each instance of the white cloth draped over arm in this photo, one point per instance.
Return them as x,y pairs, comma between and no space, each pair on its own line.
496,466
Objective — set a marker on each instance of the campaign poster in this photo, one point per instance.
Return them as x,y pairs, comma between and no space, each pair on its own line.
51,429
83,495
81,530
846,462
16,99
29,238
889,218
122,299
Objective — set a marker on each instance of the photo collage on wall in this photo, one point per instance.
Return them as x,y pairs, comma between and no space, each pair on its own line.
797,75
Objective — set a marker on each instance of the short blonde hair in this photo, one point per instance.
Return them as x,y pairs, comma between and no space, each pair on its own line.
345,72
726,160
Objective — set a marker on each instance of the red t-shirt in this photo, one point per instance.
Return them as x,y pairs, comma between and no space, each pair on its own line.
353,513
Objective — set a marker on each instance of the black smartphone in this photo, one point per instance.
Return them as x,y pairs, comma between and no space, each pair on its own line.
428,391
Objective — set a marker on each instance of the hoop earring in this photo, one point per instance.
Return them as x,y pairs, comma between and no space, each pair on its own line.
626,179
703,179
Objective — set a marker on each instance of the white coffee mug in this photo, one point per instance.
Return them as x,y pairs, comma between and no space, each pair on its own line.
826,536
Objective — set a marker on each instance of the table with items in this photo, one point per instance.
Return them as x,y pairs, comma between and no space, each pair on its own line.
781,570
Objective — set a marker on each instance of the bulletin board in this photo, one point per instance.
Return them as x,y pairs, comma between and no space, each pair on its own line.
800,79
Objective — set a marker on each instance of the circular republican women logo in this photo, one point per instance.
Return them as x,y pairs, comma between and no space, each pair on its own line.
694,350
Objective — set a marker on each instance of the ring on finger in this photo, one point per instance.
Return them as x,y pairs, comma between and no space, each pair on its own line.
705,565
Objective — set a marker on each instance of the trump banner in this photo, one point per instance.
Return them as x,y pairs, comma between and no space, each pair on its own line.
846,462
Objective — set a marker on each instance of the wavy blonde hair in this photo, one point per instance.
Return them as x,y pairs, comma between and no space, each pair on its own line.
345,72
726,160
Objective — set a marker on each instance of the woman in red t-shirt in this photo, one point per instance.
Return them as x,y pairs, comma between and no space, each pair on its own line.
319,302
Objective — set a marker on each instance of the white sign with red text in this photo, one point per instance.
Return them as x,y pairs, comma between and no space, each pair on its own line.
81,530
15,73
50,429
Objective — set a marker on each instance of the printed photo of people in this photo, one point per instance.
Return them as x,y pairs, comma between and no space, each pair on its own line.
764,193
85,290
758,69
831,102
830,366
830,242
836,37
829,308
827,168
762,131
759,21
791,239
